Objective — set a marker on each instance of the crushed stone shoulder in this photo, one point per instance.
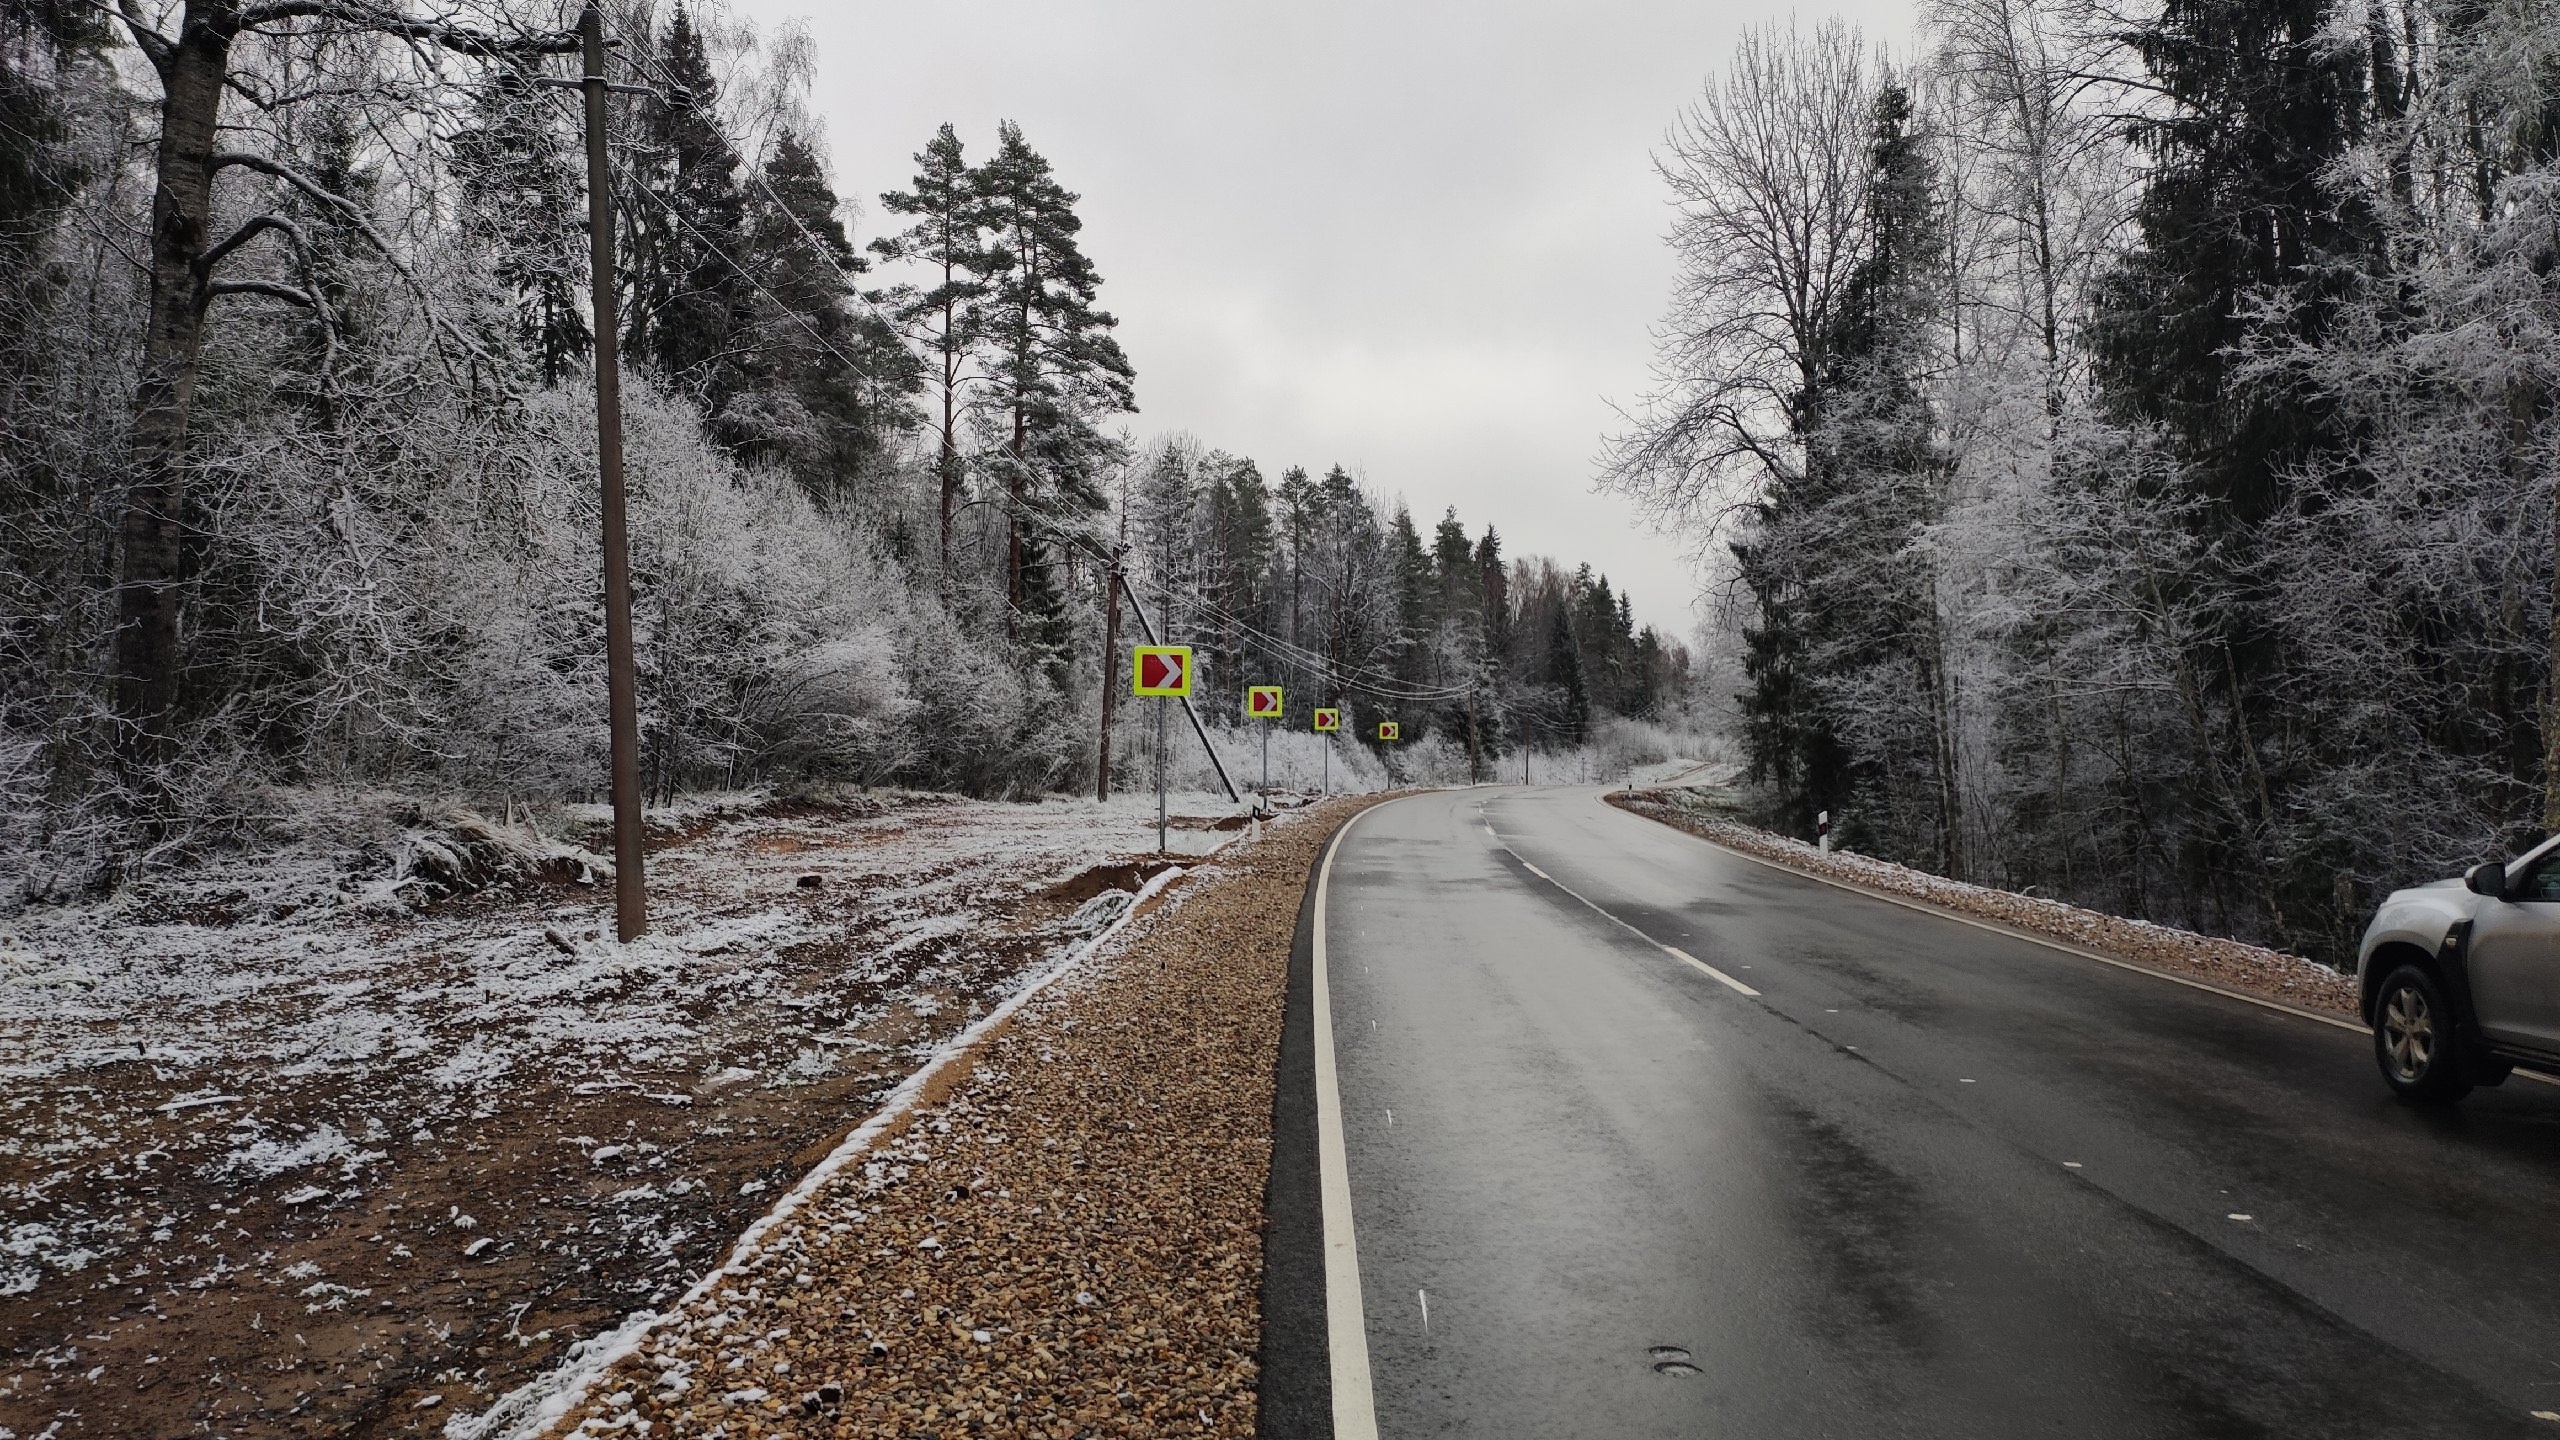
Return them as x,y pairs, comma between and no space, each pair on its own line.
1064,1241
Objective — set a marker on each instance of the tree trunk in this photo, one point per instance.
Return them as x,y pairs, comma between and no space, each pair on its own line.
949,462
152,532
1013,525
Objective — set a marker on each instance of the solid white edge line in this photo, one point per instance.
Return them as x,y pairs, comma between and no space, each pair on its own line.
1355,1411
1679,954
1674,951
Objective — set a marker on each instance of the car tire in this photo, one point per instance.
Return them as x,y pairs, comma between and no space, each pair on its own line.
2413,1038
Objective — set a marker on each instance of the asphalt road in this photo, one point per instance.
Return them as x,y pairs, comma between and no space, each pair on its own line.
1931,1181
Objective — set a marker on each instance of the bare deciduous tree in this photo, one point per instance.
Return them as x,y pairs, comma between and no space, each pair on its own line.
192,51
1767,173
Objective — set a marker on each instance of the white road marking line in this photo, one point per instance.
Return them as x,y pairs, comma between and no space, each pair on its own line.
1683,956
2034,939
1426,1310
1355,1411
1674,951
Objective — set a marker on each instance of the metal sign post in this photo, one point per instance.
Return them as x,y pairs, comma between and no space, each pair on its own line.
1328,720
1262,702
1160,673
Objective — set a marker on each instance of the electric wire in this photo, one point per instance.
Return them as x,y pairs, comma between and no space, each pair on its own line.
1358,679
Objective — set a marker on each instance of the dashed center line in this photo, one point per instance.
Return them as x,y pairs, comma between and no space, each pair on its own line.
1674,951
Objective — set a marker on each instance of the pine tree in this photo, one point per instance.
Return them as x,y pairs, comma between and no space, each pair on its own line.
947,238
1056,370
1300,508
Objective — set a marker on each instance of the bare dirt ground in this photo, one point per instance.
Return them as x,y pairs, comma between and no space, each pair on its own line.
1063,1241
276,1159
2252,969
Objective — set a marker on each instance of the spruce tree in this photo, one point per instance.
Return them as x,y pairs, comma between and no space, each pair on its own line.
1493,580
690,301
1572,720
835,379
523,201
2235,222
2243,246
1829,563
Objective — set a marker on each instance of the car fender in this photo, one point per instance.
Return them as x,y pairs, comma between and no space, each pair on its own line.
2431,919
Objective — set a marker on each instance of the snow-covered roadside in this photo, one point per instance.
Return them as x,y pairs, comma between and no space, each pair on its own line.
230,1097
529,1409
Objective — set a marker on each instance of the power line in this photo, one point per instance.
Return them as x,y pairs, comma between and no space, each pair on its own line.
1350,677
1354,678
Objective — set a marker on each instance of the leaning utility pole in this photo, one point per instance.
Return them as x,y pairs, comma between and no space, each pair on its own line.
1110,669
630,888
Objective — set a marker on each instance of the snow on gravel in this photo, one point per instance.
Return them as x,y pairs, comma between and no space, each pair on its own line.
276,1083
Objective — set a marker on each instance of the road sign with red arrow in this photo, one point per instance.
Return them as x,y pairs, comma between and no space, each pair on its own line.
1160,670
1328,721
1389,730
1262,702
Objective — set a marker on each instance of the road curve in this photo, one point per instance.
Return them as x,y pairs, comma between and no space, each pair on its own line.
1930,1181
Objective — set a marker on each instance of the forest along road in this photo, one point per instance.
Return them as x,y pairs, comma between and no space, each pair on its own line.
1929,1181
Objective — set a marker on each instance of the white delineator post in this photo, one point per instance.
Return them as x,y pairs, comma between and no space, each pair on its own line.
1822,831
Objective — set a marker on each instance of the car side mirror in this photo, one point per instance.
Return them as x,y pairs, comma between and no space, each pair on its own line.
2489,878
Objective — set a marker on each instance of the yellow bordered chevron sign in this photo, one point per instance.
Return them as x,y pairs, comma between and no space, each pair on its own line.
1160,670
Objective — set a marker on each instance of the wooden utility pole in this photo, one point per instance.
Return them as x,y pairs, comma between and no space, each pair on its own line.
1110,672
630,887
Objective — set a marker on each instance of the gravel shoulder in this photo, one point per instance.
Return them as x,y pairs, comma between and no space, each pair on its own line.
1063,1239
2231,964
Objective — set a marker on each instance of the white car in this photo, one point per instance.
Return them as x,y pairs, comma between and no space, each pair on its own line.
2460,979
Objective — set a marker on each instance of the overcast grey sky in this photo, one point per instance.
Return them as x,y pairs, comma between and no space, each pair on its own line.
1420,238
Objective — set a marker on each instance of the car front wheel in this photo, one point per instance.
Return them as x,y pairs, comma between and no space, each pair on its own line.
2413,1038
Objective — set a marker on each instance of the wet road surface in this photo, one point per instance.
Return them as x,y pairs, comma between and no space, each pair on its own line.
1930,1181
